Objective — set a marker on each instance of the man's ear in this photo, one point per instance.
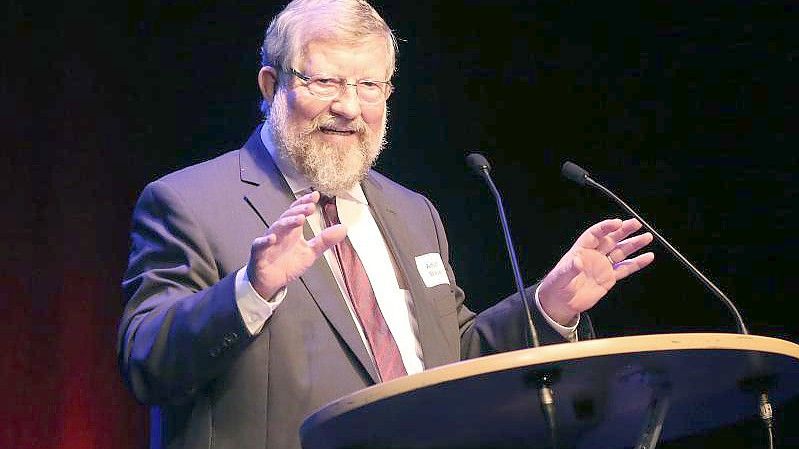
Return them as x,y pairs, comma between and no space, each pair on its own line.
267,82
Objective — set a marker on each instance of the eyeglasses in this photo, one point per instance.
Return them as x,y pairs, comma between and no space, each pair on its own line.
328,88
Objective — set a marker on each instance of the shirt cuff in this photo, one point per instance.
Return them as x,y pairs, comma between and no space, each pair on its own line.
567,332
254,309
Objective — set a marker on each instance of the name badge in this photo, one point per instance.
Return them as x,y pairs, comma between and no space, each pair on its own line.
431,268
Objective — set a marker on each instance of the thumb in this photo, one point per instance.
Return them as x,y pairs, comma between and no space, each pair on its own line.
564,272
328,238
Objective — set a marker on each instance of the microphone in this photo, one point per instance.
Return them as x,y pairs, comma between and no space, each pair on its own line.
480,165
577,174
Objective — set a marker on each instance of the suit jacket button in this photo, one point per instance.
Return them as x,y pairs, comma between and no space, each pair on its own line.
214,352
230,338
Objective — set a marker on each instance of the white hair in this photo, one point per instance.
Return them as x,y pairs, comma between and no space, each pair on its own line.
303,21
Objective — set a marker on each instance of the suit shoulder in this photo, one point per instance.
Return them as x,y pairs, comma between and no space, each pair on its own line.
211,182
224,165
393,188
401,197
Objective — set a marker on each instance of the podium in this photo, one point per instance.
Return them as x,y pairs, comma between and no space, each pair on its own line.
609,393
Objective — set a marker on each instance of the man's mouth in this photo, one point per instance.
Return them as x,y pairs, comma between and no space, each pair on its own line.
337,131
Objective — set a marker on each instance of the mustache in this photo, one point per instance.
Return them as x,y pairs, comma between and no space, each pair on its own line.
357,125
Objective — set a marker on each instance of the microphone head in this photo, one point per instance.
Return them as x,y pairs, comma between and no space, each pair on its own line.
478,163
574,172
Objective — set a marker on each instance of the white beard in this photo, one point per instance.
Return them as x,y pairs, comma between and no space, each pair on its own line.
330,169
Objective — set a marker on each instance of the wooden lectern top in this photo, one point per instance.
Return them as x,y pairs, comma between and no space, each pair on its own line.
607,391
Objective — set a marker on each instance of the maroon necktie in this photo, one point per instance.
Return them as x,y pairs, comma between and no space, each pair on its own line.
378,335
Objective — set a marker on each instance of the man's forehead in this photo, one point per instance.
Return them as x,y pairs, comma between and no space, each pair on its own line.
368,54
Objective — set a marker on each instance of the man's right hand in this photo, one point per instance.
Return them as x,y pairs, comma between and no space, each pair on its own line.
282,254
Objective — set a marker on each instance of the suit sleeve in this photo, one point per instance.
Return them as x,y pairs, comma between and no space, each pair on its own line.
180,327
502,327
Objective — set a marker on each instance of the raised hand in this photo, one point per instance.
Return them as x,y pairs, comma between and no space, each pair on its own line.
282,254
591,268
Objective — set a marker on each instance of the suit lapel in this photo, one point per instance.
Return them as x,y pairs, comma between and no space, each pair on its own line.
395,231
269,198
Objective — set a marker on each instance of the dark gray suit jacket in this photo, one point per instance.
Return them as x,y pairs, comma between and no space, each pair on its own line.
184,349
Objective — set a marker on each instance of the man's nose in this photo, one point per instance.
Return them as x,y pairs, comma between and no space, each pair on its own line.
347,104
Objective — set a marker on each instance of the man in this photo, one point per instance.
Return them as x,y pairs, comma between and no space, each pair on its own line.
235,328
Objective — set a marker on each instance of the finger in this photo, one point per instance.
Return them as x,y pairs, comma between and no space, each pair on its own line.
305,209
610,241
629,246
630,266
592,237
328,238
308,198
285,225
264,241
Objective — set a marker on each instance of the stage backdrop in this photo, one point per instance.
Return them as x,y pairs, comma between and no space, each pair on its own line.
687,109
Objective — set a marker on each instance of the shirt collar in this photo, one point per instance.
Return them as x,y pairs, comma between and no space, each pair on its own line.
297,182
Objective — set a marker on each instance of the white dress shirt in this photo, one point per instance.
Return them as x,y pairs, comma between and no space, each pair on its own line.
394,302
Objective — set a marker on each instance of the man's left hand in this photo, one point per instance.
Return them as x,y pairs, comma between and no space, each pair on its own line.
591,268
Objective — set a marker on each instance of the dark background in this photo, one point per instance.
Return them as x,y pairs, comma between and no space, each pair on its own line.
686,109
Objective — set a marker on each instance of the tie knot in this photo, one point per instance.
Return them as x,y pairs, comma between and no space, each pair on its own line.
324,200
329,212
